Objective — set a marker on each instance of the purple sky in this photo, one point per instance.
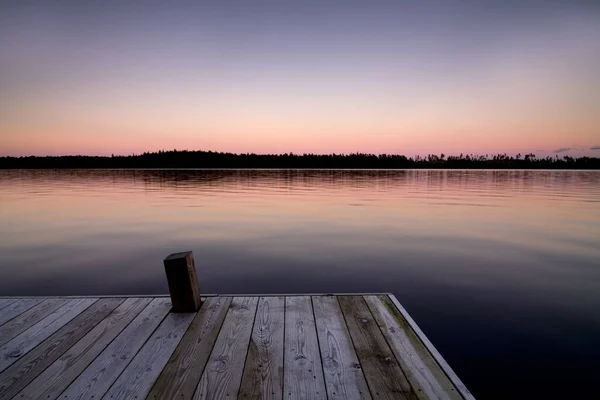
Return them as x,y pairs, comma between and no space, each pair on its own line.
411,77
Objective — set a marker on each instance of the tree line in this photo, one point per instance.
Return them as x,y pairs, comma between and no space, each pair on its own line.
210,159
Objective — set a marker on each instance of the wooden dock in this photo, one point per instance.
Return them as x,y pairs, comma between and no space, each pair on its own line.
183,346
246,347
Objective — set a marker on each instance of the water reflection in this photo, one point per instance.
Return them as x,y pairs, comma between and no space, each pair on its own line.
500,268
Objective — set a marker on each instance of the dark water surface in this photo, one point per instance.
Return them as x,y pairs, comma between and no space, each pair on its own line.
501,269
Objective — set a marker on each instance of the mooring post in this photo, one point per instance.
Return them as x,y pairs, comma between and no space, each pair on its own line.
183,284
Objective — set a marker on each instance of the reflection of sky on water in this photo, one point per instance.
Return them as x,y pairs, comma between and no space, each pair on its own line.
500,268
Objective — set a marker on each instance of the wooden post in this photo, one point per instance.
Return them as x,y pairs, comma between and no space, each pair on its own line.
183,284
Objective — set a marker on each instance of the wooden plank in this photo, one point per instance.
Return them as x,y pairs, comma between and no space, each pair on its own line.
263,372
382,372
26,369
422,371
222,376
99,376
17,307
26,341
465,393
6,303
27,319
141,373
58,376
182,373
344,378
303,370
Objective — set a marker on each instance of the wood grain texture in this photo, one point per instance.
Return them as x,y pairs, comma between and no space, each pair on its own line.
16,308
19,346
263,372
137,379
382,372
58,376
422,371
223,373
27,319
99,376
466,394
4,303
182,373
303,371
27,368
344,378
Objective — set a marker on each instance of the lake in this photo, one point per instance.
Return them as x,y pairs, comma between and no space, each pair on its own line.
501,269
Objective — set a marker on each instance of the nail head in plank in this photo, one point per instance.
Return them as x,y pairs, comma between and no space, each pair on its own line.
263,372
182,373
466,394
303,371
223,373
27,319
382,372
344,378
99,376
26,369
137,379
57,377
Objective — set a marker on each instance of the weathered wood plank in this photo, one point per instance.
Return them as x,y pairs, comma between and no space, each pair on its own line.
58,376
181,375
263,372
17,307
26,341
137,379
303,370
465,393
99,376
422,371
26,369
344,378
27,319
382,372
222,376
5,303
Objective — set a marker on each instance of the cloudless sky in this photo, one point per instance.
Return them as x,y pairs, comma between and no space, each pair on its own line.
409,77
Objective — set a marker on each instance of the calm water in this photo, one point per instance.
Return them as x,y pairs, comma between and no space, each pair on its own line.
501,269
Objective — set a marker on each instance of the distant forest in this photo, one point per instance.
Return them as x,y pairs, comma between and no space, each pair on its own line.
210,159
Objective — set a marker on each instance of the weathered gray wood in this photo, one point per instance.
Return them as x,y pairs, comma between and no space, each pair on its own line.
22,372
180,377
137,379
99,376
263,372
183,283
303,371
465,393
26,341
344,378
27,319
422,371
5,303
382,372
58,376
17,307
223,373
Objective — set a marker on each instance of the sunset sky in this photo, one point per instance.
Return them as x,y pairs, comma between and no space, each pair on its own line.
409,77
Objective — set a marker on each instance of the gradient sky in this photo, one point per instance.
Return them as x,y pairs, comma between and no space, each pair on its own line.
409,77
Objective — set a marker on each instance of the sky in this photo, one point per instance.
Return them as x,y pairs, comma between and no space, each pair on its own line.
406,77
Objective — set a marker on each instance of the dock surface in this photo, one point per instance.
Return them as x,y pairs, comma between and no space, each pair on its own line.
244,347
